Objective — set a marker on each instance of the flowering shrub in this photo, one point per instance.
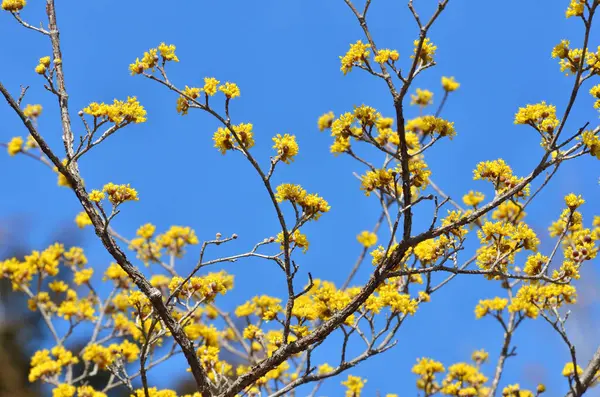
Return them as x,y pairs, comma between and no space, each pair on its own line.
143,313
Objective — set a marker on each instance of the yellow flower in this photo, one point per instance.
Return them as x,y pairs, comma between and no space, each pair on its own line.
96,196
385,55
592,141
13,5
32,111
183,102
449,84
573,201
427,125
575,9
40,69
325,121
569,370
473,199
422,98
168,52
480,356
486,305
82,219
230,90
88,391
427,51
561,50
15,146
367,239
312,205
119,112
356,55
146,231
225,141
210,86
540,116
63,390
354,385
118,194
58,286
286,147
297,239
83,276
149,60
30,143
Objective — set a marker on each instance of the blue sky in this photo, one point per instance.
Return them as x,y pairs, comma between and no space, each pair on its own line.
284,57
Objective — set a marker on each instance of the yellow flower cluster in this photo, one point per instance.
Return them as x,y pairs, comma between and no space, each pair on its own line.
385,55
173,241
154,392
462,379
571,59
367,239
357,55
32,111
230,90
575,8
47,363
240,135
43,264
183,102
15,145
325,121
389,296
104,356
429,251
501,175
540,116
501,241
429,125
449,84
569,370
120,112
422,98
43,65
485,306
13,5
516,391
203,288
427,369
66,390
74,308
425,55
286,147
150,58
530,299
117,194
473,199
312,205
573,201
296,239
379,179
509,211
595,92
82,220
354,385
264,307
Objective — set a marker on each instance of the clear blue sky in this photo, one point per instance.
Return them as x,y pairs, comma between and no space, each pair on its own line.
284,57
